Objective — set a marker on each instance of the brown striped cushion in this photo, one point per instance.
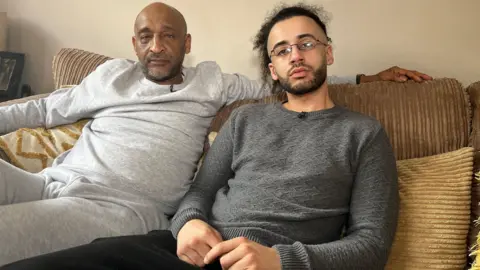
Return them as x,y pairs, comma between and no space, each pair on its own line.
421,119
71,66
434,212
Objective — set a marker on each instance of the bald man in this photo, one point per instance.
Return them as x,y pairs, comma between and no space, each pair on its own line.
135,159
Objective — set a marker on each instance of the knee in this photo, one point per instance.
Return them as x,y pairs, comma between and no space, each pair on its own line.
36,263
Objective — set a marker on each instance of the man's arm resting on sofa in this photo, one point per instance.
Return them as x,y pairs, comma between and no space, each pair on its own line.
64,106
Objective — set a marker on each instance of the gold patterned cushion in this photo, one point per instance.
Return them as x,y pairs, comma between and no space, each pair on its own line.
35,149
434,211
475,245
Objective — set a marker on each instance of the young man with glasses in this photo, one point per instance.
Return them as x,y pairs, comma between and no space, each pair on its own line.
280,183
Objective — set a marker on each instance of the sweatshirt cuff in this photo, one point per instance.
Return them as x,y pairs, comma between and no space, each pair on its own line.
182,218
293,256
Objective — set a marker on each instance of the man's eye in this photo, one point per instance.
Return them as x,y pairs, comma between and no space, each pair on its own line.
171,36
282,51
145,39
306,45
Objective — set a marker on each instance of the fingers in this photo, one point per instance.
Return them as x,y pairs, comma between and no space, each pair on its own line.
425,76
223,248
196,249
212,238
186,259
202,250
241,264
413,75
194,257
402,75
232,259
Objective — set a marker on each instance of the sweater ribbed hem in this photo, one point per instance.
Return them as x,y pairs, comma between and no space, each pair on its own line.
258,235
182,218
293,256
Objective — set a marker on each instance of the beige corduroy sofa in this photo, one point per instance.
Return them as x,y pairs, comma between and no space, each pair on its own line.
422,120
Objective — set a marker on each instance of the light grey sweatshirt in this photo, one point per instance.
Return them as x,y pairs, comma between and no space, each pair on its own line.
294,183
142,147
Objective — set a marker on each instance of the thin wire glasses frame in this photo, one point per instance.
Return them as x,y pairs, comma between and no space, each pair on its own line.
304,45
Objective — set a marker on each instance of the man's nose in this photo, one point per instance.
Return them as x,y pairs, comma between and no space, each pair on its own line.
157,45
296,55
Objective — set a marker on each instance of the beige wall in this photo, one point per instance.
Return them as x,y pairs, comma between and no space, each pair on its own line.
3,5
440,37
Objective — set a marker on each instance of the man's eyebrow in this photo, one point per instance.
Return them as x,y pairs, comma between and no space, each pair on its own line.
144,30
280,43
284,42
306,35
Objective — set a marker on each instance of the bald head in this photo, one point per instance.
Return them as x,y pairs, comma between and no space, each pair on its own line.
160,12
161,42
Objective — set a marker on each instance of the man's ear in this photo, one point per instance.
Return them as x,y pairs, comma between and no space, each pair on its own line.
273,72
188,43
134,43
329,55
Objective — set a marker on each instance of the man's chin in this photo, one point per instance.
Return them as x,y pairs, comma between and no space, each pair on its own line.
158,77
301,86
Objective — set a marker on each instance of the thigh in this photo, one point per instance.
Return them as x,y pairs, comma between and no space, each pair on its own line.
40,227
17,185
155,251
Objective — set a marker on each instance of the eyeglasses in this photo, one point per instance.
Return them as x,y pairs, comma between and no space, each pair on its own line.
304,46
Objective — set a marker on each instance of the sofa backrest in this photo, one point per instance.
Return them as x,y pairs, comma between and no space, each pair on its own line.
70,66
421,119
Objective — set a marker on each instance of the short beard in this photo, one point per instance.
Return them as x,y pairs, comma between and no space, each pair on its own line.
174,72
319,77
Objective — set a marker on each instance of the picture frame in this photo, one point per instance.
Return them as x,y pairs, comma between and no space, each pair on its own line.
11,70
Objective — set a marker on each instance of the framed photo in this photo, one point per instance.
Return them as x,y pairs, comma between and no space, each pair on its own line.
11,69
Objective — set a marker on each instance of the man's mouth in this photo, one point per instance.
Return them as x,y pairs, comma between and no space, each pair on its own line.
299,72
158,62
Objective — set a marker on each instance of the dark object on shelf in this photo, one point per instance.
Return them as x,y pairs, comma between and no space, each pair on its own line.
25,91
11,70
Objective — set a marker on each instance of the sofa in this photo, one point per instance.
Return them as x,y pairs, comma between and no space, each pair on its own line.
434,128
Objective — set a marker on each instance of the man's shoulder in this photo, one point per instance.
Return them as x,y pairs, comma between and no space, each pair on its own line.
118,62
361,118
252,113
360,124
207,66
115,65
254,108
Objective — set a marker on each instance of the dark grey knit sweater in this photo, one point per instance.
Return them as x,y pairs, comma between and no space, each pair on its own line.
293,184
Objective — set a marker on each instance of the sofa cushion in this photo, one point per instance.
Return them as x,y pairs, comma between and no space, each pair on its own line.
434,213
35,149
421,119
474,94
70,66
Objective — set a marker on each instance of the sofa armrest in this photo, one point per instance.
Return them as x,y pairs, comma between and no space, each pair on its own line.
22,100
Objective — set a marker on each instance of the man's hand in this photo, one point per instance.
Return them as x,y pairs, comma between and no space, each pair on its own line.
241,253
396,74
195,240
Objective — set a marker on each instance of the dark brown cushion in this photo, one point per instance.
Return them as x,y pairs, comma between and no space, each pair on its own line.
421,119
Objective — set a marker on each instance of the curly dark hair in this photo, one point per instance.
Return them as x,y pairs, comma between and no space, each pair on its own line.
281,13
